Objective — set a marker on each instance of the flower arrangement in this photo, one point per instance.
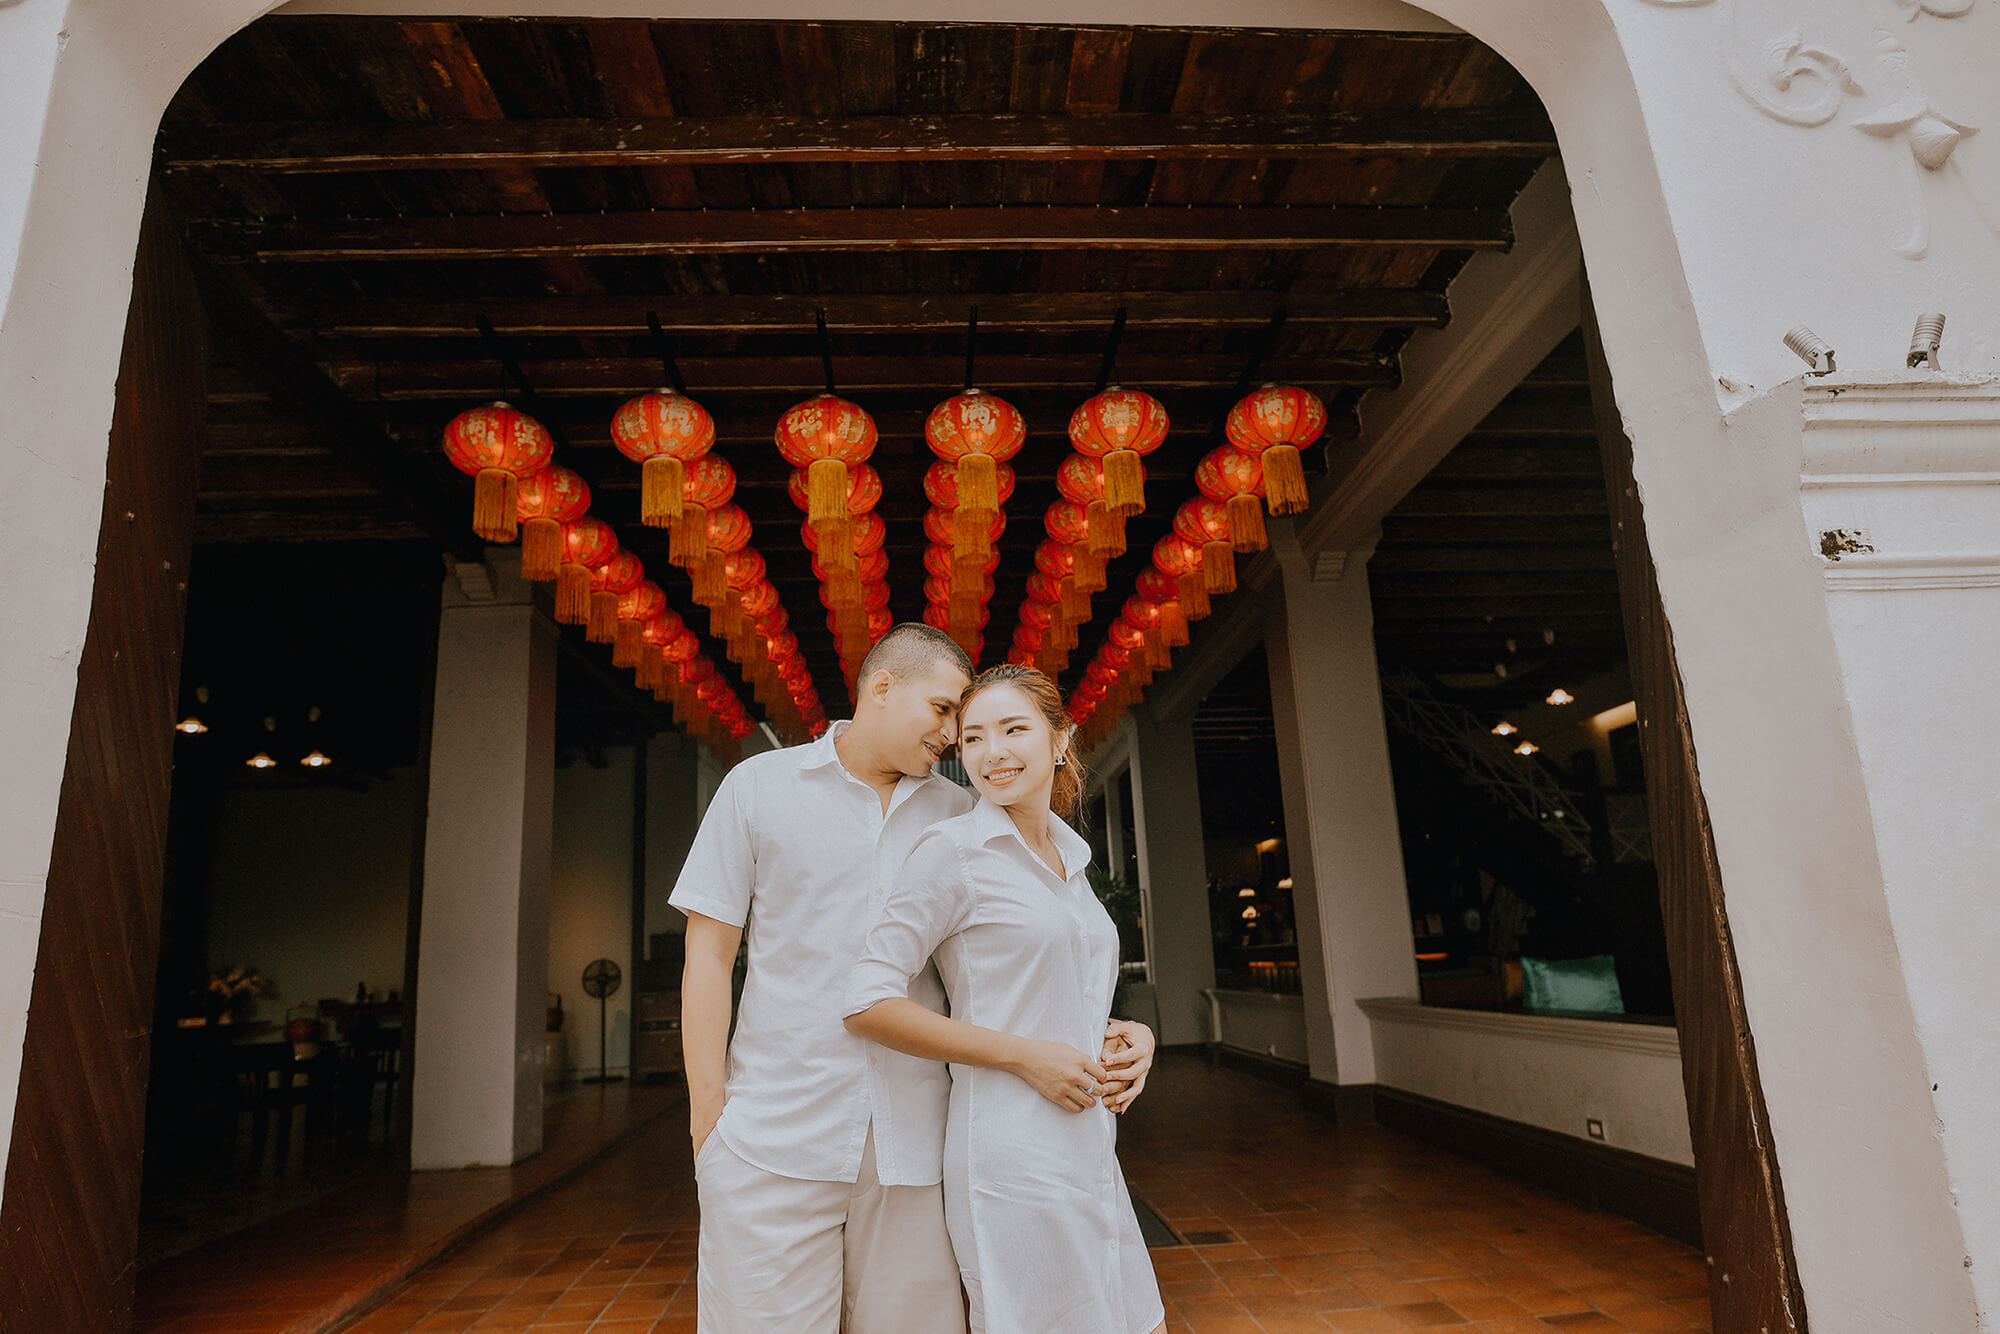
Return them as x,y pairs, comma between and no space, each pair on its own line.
230,988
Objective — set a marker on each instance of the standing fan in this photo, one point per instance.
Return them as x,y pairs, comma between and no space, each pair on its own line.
601,978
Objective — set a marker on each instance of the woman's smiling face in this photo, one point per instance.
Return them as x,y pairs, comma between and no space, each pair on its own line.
1007,746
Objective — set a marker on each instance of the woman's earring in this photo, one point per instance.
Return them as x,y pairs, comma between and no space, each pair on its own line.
1061,761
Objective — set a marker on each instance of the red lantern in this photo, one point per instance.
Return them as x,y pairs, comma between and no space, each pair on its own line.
587,544
864,492
1177,556
656,635
824,435
1080,478
976,433
1059,563
707,483
660,431
609,582
941,487
1275,423
1163,591
1206,522
1237,480
544,502
644,601
1118,426
498,446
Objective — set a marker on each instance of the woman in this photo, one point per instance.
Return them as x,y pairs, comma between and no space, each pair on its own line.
1035,1203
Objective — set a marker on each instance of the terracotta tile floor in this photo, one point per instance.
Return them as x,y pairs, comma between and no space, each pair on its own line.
1320,1229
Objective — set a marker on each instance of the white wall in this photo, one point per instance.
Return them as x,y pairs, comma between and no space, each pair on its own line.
1540,1070
312,886
590,904
1268,1024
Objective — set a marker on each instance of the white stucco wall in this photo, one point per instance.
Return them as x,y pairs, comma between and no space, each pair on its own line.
590,905
1712,220
1540,1070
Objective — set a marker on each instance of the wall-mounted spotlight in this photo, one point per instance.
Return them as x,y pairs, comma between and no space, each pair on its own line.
1812,349
1924,343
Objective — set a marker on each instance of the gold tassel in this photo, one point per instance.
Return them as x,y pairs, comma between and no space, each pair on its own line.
1246,524
1124,481
627,643
1173,625
826,491
687,536
1103,539
573,594
972,536
1218,567
1089,572
978,484
1075,603
661,478
494,495
711,579
601,626
541,549
1194,597
647,670
836,541
1285,480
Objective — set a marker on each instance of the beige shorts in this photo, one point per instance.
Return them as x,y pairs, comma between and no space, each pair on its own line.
819,1257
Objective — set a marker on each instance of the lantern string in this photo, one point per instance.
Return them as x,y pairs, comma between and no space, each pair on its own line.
971,339
665,351
496,347
825,348
1111,342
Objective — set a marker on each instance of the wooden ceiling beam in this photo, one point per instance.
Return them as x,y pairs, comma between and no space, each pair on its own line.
1500,502
687,141
714,376
1493,559
613,316
1539,609
1512,533
772,231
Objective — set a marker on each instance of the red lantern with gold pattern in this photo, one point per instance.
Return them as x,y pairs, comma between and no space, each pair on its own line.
1237,480
660,432
1274,424
1163,591
1206,522
976,433
587,544
864,492
728,530
1177,556
609,582
824,435
707,483
1118,426
544,502
1080,478
644,601
496,445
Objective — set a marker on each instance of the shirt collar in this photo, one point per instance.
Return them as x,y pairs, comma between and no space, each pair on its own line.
819,754
990,822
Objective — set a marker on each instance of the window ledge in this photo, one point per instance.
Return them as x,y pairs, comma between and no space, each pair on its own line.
1277,1000
1615,1033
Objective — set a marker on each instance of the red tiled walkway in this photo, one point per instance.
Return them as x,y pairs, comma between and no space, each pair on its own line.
1357,1230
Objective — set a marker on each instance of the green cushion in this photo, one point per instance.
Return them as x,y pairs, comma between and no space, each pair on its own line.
1585,986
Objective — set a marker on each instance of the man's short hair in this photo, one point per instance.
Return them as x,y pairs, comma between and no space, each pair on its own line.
908,647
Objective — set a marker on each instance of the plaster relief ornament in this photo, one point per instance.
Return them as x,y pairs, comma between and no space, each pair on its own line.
1804,85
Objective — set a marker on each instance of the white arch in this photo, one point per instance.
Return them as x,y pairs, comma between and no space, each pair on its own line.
1709,224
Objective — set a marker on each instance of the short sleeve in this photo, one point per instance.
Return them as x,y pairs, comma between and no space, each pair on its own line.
720,871
928,902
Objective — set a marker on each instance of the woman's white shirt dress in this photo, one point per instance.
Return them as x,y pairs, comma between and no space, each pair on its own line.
1037,1207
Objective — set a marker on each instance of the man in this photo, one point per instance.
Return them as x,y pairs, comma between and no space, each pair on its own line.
818,1156
818,1159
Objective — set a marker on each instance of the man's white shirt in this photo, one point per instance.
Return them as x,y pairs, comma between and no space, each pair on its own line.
799,853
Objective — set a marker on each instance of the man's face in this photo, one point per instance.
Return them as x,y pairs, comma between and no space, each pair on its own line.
918,719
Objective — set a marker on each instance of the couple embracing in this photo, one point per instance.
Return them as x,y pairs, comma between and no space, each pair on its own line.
916,1115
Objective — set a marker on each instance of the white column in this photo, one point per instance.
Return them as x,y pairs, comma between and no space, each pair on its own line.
1173,870
1346,855
1901,493
482,971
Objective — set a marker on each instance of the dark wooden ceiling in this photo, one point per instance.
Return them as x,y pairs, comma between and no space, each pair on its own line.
363,192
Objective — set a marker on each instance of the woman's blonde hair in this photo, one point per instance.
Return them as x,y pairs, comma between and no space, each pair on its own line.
1067,791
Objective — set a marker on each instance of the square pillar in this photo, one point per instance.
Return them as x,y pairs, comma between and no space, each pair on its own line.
1173,873
1350,899
482,968
673,813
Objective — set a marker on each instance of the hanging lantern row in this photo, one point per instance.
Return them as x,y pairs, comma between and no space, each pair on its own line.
1258,469
828,440
518,490
688,490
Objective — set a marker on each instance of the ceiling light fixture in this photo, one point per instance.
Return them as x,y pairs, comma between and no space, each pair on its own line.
191,725
1246,893
1526,748
1286,883
315,761
261,761
1250,913
1267,845
1560,697
1504,728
